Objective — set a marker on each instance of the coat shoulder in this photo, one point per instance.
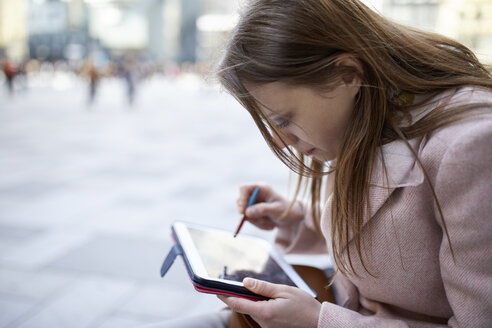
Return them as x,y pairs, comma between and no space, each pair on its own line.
467,138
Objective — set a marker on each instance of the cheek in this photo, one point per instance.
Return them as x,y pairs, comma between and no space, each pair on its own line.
344,116
331,133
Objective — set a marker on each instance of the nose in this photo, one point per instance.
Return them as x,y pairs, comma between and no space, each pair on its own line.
288,138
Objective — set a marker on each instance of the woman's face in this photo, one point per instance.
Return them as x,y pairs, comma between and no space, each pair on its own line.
311,122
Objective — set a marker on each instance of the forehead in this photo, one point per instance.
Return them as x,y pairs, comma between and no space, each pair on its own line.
269,90
275,96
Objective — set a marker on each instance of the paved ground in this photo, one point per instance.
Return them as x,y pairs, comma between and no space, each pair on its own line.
87,195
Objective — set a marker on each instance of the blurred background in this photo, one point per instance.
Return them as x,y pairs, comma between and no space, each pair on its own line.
111,128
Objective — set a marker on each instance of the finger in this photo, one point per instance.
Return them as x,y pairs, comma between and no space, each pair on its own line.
263,223
265,192
264,288
245,192
241,305
265,209
240,205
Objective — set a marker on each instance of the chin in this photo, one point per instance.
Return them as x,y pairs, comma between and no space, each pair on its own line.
321,158
325,157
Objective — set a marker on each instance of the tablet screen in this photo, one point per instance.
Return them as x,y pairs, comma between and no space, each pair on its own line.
229,258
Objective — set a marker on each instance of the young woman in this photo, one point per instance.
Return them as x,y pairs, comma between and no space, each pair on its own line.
391,129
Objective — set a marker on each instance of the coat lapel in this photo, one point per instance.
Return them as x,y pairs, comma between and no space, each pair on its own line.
402,171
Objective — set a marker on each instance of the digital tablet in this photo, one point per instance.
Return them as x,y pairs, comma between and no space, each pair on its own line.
217,262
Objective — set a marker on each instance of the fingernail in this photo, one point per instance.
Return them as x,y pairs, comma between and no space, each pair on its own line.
250,212
248,282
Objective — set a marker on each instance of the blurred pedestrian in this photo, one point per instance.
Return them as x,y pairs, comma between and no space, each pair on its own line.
129,71
10,70
94,75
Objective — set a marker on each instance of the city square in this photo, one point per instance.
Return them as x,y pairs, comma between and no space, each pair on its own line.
89,193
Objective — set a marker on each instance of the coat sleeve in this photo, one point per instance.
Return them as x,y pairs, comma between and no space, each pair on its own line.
346,312
464,190
301,238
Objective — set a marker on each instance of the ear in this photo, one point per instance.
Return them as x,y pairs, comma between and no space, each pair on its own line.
351,61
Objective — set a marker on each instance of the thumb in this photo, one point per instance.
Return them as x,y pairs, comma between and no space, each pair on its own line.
263,288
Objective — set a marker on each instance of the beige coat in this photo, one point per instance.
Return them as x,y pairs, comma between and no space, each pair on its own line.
417,283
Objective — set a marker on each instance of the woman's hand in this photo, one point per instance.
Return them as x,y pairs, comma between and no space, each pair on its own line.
270,208
287,307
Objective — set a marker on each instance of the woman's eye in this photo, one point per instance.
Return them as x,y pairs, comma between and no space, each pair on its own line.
283,124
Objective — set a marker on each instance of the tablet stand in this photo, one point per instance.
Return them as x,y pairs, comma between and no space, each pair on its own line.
173,253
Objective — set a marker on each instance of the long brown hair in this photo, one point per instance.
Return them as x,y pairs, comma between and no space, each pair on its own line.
297,42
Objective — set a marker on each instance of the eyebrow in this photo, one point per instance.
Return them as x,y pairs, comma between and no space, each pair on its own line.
284,112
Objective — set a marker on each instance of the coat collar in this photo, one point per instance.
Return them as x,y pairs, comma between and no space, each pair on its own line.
402,168
402,171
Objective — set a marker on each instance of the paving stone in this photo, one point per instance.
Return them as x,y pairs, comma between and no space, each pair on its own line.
12,309
116,256
11,237
80,306
43,249
30,188
124,219
120,321
168,300
34,286
6,246
56,210
9,232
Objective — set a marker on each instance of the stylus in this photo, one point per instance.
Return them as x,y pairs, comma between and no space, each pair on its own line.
251,201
